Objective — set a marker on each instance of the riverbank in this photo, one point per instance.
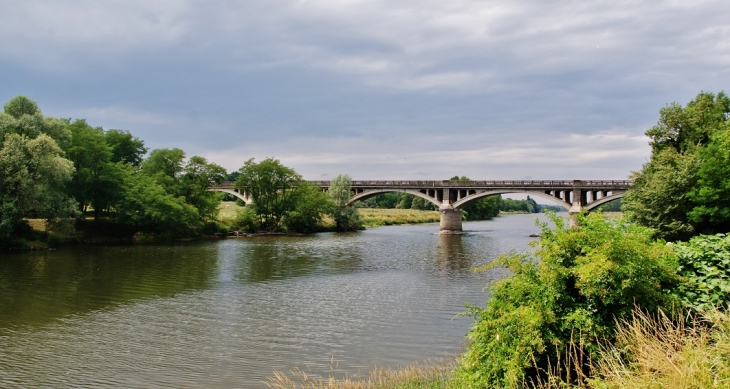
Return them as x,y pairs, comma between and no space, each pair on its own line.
655,351
371,217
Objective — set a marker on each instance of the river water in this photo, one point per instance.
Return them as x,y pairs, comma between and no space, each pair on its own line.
229,313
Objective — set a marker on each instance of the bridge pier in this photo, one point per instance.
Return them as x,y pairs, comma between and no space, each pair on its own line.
450,221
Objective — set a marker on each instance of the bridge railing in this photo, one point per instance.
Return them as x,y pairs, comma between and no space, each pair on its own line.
598,184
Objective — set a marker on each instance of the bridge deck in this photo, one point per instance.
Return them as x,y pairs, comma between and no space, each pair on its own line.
488,184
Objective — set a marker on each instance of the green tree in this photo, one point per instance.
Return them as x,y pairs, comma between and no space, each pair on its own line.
673,192
197,177
711,193
422,204
32,175
346,218
578,286
33,170
125,148
96,179
482,209
166,165
660,197
272,187
148,207
23,117
311,203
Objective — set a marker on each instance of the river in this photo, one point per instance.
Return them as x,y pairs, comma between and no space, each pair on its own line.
229,313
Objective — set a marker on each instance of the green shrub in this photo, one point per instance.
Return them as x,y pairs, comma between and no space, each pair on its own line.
246,219
705,262
573,288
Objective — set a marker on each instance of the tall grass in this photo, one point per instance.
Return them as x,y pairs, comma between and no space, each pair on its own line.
656,352
372,217
429,375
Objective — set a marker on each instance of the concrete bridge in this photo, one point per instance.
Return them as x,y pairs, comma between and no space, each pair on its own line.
452,196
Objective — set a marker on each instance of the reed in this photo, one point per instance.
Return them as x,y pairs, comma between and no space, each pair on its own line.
656,352
429,375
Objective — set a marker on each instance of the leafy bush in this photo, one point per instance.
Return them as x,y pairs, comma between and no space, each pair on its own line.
705,262
247,219
572,289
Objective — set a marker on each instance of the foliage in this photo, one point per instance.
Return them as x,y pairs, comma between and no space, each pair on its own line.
484,208
346,218
33,170
661,352
574,288
711,194
125,148
272,187
660,197
310,203
197,177
422,204
190,180
33,173
246,219
683,129
23,117
682,190
611,206
149,208
704,261
340,190
96,179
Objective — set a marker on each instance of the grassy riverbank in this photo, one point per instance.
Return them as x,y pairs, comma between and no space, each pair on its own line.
371,217
653,352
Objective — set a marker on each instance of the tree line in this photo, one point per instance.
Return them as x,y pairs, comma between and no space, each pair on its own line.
104,182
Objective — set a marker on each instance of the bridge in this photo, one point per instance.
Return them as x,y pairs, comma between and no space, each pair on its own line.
452,196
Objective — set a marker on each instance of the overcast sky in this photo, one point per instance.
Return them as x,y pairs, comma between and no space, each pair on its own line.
391,89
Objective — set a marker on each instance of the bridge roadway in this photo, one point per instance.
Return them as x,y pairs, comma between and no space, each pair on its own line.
452,196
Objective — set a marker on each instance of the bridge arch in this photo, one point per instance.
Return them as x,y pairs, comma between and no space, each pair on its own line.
602,201
370,193
471,198
232,192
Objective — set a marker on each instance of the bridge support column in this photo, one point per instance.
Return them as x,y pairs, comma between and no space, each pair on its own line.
450,221
579,201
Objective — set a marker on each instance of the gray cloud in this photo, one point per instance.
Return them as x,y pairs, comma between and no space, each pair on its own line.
490,89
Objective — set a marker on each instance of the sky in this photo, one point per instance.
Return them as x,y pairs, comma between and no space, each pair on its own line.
391,89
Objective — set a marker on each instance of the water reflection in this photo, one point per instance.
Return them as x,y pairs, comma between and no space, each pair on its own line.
228,313
39,286
451,253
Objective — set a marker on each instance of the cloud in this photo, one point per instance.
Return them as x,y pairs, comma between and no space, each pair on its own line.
575,156
406,88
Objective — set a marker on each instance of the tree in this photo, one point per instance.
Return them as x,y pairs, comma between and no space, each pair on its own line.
711,193
147,207
124,147
340,190
271,186
346,218
667,193
310,203
32,175
96,180
33,170
23,117
481,209
195,181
